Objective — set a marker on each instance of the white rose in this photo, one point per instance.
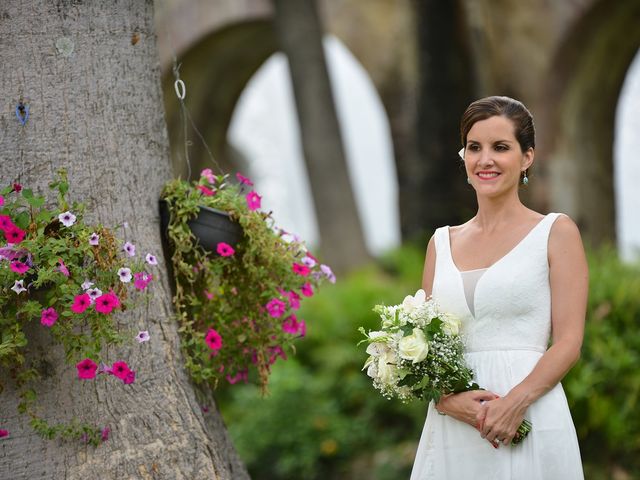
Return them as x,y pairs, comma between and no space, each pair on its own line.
450,325
414,347
387,371
409,304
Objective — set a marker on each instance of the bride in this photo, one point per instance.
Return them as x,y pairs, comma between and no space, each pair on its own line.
518,281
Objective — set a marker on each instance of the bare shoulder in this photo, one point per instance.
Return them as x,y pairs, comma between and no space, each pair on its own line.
564,238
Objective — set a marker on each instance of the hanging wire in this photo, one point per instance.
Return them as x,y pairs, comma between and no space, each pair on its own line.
181,93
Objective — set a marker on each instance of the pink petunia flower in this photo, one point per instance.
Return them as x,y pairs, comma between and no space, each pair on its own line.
94,239
19,267
141,280
6,223
104,434
17,187
129,248
244,180
86,369
294,300
300,269
253,200
81,303
14,234
208,174
209,295
67,219
224,249
276,352
326,270
213,339
1,200
307,290
120,370
290,324
62,268
4,433
302,328
130,378
106,303
18,287
276,308
206,191
241,375
151,259
48,317
143,336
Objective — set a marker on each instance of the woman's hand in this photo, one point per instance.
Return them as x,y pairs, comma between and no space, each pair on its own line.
499,419
465,406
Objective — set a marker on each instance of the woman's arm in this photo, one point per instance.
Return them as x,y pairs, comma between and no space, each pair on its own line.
569,281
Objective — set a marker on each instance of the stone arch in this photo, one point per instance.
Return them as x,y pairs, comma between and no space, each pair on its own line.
586,76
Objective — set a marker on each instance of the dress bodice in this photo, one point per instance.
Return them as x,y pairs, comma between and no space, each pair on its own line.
512,298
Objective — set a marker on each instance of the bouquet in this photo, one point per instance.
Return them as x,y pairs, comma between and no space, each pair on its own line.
418,354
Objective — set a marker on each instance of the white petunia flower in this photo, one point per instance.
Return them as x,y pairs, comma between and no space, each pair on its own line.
67,219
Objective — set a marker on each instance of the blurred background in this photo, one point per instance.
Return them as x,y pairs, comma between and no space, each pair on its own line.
345,114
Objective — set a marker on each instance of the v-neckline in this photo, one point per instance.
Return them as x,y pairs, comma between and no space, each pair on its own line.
453,262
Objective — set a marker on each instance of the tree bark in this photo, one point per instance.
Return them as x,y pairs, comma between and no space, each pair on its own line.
300,35
96,109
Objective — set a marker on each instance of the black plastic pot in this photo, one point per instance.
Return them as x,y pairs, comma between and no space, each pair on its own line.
210,227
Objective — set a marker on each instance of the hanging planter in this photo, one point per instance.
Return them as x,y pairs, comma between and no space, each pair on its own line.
237,279
210,227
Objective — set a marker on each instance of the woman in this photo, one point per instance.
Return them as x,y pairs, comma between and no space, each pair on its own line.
516,279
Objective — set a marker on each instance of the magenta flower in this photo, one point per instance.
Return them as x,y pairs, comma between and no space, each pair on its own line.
129,249
67,219
6,223
48,317
301,269
302,328
206,191
130,378
4,433
86,369
14,234
141,280
106,303
19,267
143,336
290,324
17,187
213,339
276,352
224,249
241,375
253,200
244,180
276,308
1,200
307,290
120,370
151,259
62,268
294,300
104,434
81,303
94,239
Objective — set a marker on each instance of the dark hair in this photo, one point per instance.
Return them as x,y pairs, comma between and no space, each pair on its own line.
501,106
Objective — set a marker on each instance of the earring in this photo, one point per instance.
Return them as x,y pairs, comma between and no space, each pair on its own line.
525,179
468,180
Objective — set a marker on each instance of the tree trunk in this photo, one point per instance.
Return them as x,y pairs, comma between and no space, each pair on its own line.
300,34
96,110
434,192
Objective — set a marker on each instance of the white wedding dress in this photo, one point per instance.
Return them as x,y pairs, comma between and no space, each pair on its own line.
503,342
